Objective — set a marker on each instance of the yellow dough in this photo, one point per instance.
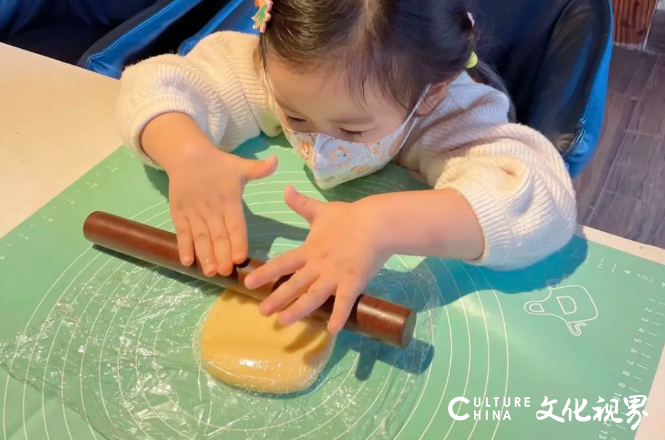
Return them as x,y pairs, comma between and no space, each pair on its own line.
245,349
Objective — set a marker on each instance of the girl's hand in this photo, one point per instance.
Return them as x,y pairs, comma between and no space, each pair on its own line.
205,194
341,255
205,191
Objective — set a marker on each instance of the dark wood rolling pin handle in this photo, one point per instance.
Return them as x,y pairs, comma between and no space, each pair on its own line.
373,317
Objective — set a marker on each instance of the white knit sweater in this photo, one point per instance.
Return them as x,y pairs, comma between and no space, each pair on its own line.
512,176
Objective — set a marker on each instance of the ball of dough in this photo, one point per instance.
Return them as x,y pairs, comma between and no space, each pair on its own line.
245,349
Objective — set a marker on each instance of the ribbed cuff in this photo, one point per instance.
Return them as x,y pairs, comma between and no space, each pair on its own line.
148,111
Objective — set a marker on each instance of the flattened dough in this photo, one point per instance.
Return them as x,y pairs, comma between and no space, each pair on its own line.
242,348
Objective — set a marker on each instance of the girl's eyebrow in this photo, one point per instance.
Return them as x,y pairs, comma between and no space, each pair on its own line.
364,119
285,107
354,120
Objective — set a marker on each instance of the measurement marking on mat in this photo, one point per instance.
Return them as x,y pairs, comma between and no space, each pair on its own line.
641,366
619,426
615,266
646,278
655,323
652,334
633,389
646,355
646,343
638,378
661,303
658,313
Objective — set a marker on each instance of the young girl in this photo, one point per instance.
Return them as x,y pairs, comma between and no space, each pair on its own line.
353,84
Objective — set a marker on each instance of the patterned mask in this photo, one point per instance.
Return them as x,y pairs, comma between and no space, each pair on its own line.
335,161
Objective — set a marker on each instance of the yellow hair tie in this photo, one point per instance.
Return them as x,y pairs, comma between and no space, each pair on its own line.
473,61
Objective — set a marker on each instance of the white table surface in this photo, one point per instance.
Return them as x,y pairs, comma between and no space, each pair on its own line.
57,121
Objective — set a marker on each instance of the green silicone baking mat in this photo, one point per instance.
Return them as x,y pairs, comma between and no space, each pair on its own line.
99,346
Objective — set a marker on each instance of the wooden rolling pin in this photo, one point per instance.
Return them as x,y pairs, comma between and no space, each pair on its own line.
377,318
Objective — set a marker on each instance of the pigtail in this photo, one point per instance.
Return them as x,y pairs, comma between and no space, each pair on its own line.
479,70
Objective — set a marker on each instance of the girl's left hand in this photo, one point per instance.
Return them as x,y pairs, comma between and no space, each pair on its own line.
341,254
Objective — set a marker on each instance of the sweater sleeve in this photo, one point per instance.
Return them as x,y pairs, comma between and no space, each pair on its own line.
217,84
512,176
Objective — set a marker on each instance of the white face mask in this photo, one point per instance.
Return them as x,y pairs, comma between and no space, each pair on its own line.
335,161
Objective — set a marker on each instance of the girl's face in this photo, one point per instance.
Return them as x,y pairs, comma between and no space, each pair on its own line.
319,101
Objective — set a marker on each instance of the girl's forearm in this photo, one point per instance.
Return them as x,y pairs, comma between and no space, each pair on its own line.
436,223
170,138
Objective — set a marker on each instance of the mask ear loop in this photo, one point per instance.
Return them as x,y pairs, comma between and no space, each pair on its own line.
420,101
410,117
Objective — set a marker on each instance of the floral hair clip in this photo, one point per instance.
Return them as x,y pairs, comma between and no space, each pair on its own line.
263,15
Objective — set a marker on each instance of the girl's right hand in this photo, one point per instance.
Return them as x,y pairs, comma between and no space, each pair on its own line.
205,191
205,194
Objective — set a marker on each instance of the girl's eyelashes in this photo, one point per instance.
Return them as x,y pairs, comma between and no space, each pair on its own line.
293,119
352,134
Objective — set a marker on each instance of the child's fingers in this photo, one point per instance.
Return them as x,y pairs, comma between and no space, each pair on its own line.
287,292
345,298
237,229
283,265
184,237
221,244
304,206
203,246
317,294
259,169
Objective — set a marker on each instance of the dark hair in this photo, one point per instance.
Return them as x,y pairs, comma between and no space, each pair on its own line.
400,45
